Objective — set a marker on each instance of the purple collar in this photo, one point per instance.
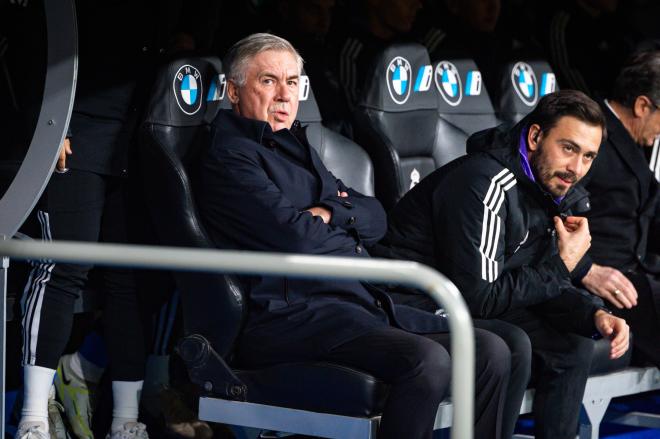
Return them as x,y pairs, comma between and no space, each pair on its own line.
524,162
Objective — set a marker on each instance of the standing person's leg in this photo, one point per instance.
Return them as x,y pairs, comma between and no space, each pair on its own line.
521,367
560,367
123,325
70,210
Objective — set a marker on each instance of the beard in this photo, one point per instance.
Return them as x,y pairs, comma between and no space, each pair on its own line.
544,174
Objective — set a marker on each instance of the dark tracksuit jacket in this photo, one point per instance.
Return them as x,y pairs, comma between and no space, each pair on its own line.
482,222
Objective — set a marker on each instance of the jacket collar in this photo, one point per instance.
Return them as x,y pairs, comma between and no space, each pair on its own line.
257,130
229,123
626,147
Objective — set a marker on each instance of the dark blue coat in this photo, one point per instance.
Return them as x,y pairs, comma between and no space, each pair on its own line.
254,188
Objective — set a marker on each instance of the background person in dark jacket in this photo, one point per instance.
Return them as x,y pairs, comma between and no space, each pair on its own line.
264,188
624,206
490,222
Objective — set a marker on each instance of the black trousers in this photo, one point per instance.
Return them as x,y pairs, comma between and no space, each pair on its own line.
81,206
521,366
644,319
560,367
519,347
418,370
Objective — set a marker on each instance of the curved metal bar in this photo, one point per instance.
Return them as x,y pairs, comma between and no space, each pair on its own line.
59,90
441,289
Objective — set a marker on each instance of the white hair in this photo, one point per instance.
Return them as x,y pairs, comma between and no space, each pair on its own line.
241,53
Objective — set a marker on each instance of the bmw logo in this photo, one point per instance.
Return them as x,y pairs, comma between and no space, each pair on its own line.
188,89
398,79
524,83
448,82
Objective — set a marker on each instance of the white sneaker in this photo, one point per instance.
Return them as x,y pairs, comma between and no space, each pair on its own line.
55,423
32,430
130,430
77,397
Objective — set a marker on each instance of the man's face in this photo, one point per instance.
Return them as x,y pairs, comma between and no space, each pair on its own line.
561,156
270,92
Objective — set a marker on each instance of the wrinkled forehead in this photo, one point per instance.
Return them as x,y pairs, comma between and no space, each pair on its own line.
274,62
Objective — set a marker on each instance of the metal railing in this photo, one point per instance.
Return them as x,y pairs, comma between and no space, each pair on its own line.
441,289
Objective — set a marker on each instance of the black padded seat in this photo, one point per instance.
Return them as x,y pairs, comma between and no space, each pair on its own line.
343,157
523,83
415,116
318,387
464,105
396,120
187,95
601,362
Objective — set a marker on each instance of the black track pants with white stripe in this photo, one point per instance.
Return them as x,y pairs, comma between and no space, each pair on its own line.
81,206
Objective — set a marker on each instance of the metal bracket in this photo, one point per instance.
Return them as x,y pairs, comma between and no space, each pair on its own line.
208,370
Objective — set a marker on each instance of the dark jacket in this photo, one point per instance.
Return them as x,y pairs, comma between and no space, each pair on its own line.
482,222
624,198
255,187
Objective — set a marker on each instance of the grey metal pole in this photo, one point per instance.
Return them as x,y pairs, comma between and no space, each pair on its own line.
4,266
441,289
38,164
56,106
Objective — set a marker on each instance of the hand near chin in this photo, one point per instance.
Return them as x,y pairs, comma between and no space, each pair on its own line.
573,239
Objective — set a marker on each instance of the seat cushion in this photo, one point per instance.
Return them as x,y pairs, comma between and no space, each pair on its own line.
601,363
317,387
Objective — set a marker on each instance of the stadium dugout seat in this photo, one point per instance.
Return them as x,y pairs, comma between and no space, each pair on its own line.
464,105
396,120
601,362
415,116
523,83
308,398
345,159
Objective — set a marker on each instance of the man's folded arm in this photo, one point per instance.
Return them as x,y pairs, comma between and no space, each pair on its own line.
358,212
241,203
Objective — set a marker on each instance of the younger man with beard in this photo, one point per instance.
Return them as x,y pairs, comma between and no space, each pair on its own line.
499,223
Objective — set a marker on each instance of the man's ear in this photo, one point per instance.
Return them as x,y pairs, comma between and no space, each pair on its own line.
642,106
232,92
533,136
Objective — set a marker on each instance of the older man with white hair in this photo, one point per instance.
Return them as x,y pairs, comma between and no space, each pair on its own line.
264,188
